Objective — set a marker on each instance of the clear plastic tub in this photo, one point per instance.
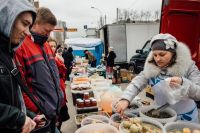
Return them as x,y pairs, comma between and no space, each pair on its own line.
133,108
94,119
179,125
144,120
116,119
172,112
97,128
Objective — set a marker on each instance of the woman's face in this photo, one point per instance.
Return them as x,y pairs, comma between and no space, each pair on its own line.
53,46
162,58
21,27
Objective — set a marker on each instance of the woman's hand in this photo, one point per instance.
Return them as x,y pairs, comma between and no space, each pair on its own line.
121,106
40,120
176,81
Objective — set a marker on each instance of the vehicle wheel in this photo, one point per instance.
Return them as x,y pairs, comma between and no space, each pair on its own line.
132,69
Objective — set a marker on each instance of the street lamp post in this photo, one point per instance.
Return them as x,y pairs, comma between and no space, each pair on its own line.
101,14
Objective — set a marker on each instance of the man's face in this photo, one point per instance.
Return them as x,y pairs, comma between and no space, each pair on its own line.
21,27
43,29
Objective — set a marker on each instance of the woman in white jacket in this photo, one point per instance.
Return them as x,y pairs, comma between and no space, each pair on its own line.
168,58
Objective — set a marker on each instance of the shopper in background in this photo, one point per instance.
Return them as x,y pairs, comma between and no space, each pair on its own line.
169,58
38,67
68,60
91,58
110,60
57,50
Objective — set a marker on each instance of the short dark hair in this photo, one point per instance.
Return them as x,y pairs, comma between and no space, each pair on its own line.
44,15
85,51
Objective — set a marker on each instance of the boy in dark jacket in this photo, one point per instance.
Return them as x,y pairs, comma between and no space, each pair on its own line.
16,18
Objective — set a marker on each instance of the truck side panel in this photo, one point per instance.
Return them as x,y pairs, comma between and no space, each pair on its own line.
117,39
181,18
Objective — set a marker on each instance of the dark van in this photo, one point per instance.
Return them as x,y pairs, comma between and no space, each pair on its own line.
137,61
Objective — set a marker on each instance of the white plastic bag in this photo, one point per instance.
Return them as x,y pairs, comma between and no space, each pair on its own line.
167,93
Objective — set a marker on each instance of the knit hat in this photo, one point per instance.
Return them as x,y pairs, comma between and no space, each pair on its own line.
165,42
111,48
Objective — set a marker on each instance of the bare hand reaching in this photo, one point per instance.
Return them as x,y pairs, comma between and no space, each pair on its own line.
28,126
40,120
121,106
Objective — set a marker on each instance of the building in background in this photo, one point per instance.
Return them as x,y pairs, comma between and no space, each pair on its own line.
35,3
59,33
91,33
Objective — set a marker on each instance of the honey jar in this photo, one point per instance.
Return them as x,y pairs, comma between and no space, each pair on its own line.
87,103
94,102
86,96
80,103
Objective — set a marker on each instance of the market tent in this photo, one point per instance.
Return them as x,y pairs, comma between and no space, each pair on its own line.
94,45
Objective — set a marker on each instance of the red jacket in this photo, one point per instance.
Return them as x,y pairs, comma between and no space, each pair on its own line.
37,75
62,72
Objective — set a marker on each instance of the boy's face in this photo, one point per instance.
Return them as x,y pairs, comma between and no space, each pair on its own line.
21,27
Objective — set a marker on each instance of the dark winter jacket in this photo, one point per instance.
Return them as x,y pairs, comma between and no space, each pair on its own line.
110,59
68,57
12,118
41,76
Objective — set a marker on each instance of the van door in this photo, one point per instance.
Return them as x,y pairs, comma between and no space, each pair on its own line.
181,18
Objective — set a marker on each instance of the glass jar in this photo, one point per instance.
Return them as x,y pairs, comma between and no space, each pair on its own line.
77,100
80,103
87,103
86,96
93,102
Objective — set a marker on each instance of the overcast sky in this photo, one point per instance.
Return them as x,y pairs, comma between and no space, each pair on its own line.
78,13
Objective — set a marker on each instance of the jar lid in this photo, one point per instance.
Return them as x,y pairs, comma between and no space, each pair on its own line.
94,100
78,99
81,101
87,100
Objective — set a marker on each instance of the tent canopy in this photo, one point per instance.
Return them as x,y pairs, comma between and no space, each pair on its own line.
84,42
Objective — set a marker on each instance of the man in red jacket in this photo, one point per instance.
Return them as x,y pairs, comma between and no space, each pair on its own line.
37,65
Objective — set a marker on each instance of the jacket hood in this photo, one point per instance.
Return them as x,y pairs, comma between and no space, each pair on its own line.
10,10
182,63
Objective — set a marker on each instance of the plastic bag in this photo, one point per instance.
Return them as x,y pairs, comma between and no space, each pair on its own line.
167,93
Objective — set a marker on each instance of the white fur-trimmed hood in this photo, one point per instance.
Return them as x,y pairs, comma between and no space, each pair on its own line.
182,63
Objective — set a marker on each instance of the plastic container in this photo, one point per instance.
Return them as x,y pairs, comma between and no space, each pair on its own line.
94,119
116,119
131,109
144,120
97,128
179,125
80,117
172,112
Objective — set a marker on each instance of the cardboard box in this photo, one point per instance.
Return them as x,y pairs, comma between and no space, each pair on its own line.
130,76
123,72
